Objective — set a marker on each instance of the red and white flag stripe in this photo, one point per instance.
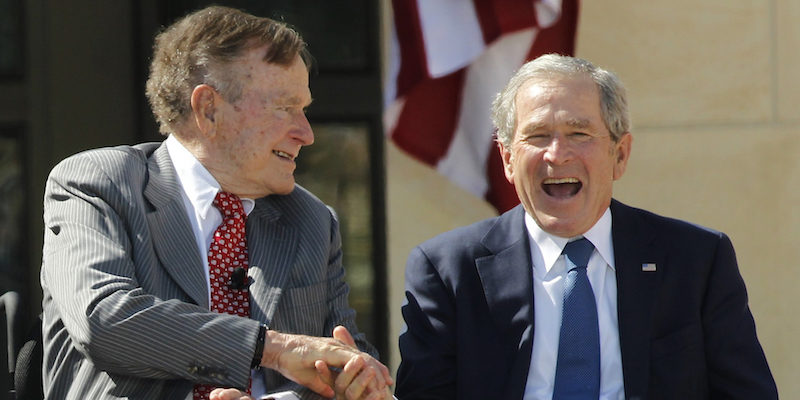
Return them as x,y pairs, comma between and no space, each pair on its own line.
448,60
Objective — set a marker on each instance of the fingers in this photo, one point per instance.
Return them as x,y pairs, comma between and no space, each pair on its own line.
386,394
324,372
354,379
384,371
317,385
314,362
341,333
228,394
349,372
364,383
353,367
382,376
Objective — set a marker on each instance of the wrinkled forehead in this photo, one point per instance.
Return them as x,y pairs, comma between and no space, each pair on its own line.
567,101
578,84
567,90
273,81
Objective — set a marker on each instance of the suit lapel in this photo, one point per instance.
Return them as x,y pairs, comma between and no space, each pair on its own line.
507,276
637,284
271,245
272,250
172,233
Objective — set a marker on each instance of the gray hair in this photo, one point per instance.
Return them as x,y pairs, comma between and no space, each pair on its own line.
613,100
202,47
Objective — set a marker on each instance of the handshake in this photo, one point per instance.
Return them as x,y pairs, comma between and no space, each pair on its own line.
328,366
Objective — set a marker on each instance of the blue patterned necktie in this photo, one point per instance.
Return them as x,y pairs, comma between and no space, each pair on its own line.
578,365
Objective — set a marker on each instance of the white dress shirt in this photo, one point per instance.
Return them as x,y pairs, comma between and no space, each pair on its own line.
549,273
199,191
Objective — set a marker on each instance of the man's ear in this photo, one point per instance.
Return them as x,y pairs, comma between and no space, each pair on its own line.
204,102
623,154
508,166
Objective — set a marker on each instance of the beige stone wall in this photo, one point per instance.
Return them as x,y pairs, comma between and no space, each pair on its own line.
715,101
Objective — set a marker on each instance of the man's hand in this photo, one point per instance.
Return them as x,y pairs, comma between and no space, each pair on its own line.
360,378
228,394
294,356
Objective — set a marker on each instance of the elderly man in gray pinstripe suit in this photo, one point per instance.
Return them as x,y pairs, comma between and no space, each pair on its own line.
127,232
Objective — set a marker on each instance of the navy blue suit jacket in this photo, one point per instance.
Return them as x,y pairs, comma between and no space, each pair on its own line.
686,331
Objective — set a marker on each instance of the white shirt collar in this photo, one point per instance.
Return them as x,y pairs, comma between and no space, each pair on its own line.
550,246
198,184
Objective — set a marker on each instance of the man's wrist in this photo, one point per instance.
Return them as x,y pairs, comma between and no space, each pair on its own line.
274,345
259,351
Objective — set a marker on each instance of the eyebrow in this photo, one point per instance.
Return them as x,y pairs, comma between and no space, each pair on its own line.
579,123
533,127
576,123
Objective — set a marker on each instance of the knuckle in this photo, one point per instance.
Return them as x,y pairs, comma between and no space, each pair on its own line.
352,392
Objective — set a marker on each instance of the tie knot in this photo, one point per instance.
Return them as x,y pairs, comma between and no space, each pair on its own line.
579,251
229,204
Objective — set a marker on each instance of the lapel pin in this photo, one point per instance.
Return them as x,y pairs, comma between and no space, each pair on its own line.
649,267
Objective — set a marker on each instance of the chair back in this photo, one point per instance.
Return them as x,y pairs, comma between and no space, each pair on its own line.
11,307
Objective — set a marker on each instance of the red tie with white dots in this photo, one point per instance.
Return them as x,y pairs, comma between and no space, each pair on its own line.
227,253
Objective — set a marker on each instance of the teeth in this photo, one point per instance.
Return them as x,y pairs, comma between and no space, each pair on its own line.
283,154
556,181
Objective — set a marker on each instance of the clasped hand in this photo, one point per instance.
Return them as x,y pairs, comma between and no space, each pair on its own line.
328,366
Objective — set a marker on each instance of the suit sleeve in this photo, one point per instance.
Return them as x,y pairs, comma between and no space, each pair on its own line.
736,363
91,286
427,346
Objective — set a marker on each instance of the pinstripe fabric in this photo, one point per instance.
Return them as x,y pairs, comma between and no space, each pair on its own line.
124,293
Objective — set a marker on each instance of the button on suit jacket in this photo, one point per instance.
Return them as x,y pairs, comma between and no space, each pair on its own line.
125,297
685,328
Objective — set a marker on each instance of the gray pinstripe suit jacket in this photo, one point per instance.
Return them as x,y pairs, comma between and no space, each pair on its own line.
125,298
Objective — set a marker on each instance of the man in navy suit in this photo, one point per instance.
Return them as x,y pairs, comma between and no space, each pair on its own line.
483,307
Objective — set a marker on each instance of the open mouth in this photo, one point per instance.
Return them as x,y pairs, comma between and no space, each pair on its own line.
562,188
283,154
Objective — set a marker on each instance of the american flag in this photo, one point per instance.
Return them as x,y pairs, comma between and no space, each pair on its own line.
449,58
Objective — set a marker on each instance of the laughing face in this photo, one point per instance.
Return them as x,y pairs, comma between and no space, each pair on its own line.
562,159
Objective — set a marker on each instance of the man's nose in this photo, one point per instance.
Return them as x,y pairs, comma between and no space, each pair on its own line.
303,131
558,151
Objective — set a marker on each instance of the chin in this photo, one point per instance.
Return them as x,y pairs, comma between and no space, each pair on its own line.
560,226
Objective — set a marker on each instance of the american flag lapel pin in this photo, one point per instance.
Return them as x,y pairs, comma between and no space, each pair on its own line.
649,267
